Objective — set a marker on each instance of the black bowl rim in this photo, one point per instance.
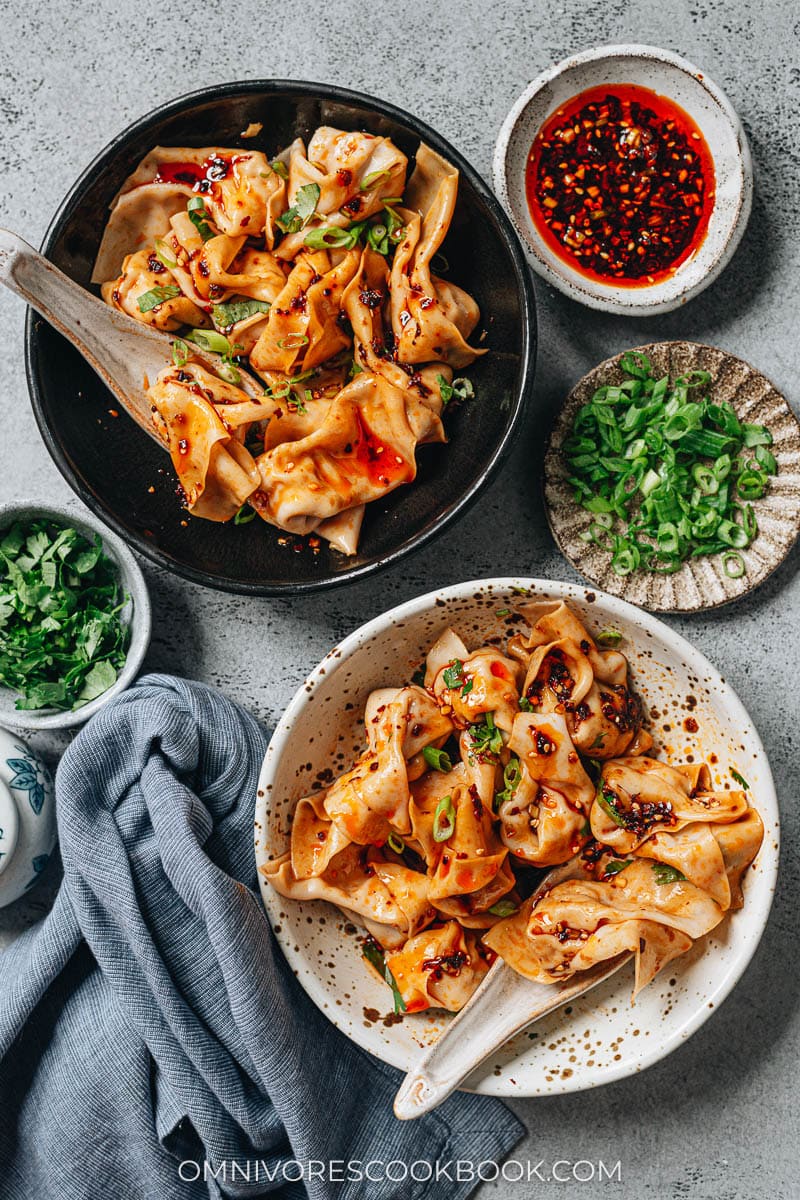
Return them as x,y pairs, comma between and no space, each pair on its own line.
528,351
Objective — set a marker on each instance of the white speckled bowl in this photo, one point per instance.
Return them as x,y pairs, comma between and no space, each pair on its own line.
600,1037
136,613
669,75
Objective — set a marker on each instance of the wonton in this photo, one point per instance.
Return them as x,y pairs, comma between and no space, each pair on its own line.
481,771
315,270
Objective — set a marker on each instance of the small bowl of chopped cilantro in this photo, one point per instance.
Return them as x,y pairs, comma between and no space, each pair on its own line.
671,477
74,616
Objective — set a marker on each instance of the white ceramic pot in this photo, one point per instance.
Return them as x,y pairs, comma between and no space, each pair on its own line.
27,817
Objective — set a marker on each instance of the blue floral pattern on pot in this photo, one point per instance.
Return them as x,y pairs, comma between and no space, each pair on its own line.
29,776
39,863
27,817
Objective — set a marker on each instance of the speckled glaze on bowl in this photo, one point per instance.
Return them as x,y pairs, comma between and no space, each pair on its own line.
670,75
701,582
600,1037
136,613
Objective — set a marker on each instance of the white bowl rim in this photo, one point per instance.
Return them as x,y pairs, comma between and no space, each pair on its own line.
581,288
141,620
757,913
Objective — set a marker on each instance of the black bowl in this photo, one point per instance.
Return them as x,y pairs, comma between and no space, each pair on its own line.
123,476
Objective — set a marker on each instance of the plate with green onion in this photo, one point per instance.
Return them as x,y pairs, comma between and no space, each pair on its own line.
672,477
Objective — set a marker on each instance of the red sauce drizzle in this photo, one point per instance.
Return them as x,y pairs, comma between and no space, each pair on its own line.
620,184
379,461
199,176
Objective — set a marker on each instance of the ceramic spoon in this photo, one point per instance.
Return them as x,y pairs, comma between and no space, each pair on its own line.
123,352
503,1005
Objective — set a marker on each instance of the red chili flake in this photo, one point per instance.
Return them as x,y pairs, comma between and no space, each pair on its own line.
621,184
371,298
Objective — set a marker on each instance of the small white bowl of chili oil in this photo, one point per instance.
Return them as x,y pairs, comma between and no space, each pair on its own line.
628,176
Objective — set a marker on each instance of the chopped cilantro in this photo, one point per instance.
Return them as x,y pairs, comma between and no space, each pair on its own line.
62,642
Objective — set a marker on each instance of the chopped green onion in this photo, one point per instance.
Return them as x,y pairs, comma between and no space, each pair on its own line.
396,843
486,737
157,295
209,339
512,774
229,372
292,341
661,470
733,564
370,180
609,637
378,238
504,908
740,779
180,352
766,459
280,168
444,820
199,218
756,435
165,254
732,534
439,760
705,478
245,515
608,802
332,237
374,955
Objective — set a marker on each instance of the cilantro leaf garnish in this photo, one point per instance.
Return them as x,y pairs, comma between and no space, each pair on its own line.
303,209
667,874
62,642
486,737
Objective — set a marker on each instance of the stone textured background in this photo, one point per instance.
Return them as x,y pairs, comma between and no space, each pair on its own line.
719,1118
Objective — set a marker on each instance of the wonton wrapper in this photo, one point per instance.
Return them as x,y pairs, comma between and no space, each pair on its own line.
339,162
567,673
364,448
430,319
216,472
439,968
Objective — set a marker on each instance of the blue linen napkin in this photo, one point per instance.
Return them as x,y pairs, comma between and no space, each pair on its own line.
150,1022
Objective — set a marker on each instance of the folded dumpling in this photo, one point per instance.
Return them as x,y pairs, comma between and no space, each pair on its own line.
430,319
147,291
216,472
346,174
439,968
364,448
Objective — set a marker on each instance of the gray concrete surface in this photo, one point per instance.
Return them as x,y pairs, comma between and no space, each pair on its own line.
719,1119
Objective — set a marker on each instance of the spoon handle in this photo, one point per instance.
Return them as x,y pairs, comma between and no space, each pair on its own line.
99,332
503,1005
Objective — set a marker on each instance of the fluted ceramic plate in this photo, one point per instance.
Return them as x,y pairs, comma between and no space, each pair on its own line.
600,1036
701,582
